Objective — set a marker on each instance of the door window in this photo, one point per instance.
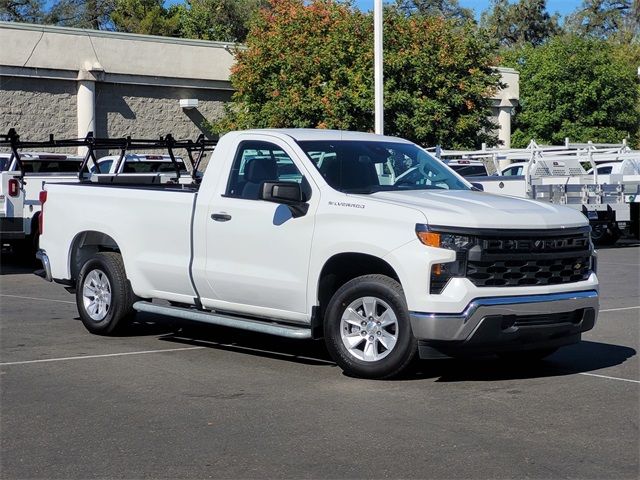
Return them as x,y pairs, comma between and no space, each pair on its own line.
259,162
513,171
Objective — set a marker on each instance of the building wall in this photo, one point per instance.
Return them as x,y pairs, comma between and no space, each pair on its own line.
67,82
147,111
38,107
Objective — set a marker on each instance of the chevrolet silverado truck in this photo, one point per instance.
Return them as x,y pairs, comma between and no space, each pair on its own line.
308,234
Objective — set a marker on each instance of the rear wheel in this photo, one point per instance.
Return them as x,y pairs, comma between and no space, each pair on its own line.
367,328
103,294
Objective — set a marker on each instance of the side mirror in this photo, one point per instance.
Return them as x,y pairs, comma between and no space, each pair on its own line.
286,193
477,186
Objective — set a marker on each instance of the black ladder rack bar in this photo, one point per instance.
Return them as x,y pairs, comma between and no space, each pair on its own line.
124,145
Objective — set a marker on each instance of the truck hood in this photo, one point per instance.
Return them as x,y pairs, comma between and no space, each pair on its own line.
466,208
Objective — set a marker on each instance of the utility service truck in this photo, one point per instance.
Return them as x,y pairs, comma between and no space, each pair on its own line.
299,233
567,175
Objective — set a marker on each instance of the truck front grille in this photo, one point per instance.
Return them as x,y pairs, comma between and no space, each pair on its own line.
530,258
522,272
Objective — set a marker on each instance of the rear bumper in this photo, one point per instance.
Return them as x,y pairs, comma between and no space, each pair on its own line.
489,325
45,272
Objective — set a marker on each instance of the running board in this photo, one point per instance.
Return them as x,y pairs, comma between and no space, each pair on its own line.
252,325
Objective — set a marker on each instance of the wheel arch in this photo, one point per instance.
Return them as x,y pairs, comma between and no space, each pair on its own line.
85,245
342,267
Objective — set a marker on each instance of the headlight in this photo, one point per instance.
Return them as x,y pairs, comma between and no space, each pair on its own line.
450,241
441,273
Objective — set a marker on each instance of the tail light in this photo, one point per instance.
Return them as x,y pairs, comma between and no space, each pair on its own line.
14,187
43,198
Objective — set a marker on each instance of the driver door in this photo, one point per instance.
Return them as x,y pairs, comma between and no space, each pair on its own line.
257,252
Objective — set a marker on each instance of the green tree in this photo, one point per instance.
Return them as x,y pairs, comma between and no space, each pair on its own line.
449,9
148,17
94,14
525,22
606,19
578,88
311,65
222,20
28,11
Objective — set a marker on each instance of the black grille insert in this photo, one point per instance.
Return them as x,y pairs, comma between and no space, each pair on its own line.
498,273
535,258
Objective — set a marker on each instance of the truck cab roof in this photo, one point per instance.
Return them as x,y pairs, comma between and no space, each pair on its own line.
310,134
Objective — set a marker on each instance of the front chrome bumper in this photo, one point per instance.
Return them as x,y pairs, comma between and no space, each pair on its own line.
510,321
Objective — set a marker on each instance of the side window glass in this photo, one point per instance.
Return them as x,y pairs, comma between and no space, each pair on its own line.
256,163
105,166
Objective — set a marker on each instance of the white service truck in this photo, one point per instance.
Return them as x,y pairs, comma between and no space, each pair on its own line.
298,233
558,175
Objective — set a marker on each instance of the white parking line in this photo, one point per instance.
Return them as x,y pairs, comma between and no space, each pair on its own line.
621,308
82,357
35,298
609,378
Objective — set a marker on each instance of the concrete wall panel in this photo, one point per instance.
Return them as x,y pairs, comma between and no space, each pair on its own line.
38,107
149,111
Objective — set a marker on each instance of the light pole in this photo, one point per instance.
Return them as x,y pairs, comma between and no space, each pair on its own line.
377,67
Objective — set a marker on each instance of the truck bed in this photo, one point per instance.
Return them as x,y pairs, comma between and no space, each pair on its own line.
151,224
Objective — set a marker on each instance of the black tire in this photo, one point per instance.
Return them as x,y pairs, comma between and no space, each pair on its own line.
399,356
603,235
120,309
527,356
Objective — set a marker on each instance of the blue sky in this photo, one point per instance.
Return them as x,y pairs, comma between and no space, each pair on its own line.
563,7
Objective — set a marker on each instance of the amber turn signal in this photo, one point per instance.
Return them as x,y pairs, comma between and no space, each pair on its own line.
430,239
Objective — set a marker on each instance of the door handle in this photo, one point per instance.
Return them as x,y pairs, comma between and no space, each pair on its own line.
220,217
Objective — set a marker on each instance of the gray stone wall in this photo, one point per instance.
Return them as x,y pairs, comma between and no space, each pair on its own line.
150,111
38,107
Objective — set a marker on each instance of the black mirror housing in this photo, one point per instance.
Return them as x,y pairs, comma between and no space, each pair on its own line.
477,186
289,193
286,193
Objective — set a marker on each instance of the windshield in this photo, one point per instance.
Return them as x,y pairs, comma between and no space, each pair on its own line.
371,166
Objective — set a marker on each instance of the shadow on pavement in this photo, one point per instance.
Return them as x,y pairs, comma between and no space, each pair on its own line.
583,357
267,346
12,264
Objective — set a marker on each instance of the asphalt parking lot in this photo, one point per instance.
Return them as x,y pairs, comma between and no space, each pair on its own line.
217,403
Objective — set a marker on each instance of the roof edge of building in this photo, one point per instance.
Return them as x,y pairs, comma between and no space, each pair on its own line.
116,35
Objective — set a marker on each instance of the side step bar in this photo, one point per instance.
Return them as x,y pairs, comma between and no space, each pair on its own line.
250,324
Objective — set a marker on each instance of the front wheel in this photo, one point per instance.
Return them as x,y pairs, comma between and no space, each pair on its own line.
103,294
367,328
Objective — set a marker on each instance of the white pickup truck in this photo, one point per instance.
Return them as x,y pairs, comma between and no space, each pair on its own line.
19,190
299,233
